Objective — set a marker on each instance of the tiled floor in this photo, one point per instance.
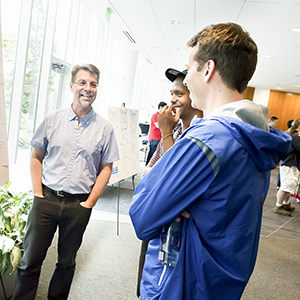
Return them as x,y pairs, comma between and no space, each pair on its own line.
275,225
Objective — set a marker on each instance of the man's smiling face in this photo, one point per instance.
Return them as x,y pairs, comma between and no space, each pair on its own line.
84,95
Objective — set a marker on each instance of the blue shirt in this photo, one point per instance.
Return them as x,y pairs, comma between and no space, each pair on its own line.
74,150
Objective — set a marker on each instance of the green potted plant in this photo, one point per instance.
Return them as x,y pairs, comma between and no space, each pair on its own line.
13,217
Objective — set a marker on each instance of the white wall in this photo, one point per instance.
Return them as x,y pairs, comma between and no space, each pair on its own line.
261,96
125,68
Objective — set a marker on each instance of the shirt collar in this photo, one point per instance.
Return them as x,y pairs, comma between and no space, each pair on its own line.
85,119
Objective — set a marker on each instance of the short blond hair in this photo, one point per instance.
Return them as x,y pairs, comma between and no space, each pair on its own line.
294,127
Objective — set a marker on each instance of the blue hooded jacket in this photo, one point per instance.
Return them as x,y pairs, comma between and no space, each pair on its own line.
219,171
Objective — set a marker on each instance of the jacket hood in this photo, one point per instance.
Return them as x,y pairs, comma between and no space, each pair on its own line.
248,124
247,111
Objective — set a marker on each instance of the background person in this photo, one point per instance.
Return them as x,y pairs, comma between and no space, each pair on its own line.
210,172
71,162
289,125
273,121
154,135
289,173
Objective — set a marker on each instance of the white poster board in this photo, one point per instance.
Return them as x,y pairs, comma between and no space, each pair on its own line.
4,175
126,127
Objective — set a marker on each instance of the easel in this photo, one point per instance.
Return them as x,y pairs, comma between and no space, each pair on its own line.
125,122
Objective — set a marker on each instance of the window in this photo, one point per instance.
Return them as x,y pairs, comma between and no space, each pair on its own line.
62,29
10,29
55,86
32,73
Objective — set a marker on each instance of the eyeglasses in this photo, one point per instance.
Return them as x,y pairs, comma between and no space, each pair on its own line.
83,84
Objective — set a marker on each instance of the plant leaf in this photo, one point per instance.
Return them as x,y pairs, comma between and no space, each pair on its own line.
6,244
4,262
15,258
2,219
7,185
14,209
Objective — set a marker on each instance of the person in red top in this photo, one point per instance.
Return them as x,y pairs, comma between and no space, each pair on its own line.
154,135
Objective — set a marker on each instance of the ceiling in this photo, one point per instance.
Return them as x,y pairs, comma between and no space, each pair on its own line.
164,44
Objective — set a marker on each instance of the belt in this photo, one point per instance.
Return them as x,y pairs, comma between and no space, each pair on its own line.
63,194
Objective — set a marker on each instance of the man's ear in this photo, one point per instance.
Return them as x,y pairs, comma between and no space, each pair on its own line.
71,86
210,67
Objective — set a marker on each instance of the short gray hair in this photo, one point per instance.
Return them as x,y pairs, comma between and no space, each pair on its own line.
93,70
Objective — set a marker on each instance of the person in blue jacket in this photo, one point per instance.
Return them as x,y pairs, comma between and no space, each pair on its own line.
217,175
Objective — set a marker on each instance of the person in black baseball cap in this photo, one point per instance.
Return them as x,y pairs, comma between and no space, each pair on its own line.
172,121
172,74
180,106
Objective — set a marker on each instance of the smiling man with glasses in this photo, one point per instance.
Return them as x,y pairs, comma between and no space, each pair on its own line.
73,152
83,85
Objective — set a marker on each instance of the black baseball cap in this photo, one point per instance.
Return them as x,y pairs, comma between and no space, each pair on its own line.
172,74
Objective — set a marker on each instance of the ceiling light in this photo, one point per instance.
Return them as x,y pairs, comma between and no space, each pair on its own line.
279,88
176,22
297,85
295,29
